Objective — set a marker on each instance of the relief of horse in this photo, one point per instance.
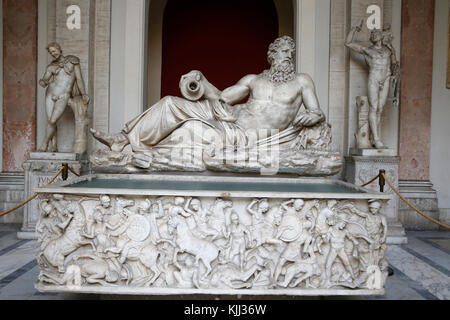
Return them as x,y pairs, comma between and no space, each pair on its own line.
202,249
58,249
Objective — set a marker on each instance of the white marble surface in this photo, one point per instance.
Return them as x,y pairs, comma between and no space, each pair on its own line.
54,156
373,152
163,291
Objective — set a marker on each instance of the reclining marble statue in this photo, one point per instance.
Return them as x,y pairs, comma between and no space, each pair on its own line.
65,87
232,136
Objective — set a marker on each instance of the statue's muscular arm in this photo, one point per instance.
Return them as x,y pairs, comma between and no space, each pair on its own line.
79,79
356,45
46,78
80,83
239,91
314,114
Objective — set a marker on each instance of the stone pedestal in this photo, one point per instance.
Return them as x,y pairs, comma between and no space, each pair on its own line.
216,235
364,164
424,197
39,170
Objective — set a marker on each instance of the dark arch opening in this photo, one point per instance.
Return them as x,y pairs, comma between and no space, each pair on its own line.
224,39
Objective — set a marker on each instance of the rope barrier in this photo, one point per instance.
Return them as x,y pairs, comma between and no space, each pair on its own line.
63,168
412,206
74,172
383,178
374,178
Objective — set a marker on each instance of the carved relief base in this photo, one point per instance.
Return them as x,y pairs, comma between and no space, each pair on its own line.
39,170
162,242
362,168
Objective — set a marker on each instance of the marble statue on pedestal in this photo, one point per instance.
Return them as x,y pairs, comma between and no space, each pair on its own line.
65,87
384,70
226,135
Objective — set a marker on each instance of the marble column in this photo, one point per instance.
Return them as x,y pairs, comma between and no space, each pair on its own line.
338,76
415,111
19,82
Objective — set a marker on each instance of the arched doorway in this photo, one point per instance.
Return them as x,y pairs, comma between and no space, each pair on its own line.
225,39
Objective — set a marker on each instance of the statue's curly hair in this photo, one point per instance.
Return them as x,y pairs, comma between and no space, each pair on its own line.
54,45
376,32
276,45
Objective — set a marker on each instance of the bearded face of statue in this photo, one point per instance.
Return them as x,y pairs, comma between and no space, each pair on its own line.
281,58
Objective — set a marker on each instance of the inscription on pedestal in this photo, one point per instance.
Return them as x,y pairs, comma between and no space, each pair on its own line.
39,170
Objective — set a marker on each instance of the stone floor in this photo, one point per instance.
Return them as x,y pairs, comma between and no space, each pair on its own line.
421,270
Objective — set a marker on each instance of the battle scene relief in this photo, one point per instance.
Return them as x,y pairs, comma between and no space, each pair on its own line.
211,243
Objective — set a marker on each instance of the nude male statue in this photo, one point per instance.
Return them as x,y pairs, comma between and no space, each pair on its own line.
376,226
63,81
381,60
275,100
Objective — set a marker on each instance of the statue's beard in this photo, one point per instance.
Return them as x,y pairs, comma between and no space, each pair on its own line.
281,72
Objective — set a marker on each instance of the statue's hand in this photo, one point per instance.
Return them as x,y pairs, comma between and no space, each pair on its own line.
396,69
86,99
308,119
42,83
360,26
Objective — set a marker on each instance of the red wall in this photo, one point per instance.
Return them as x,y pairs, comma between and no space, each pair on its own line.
19,82
224,39
416,93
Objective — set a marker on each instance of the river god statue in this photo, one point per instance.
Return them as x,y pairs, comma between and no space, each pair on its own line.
210,130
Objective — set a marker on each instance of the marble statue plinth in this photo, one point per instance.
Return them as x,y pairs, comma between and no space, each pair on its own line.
373,152
366,164
422,195
192,234
39,170
307,163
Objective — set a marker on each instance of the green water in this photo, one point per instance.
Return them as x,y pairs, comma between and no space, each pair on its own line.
211,186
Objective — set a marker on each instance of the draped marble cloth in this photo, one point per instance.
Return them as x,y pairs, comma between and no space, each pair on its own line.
154,126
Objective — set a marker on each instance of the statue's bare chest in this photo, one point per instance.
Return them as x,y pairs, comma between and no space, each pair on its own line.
284,93
63,70
377,54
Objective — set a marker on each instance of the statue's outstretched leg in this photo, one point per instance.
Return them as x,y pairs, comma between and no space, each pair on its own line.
116,142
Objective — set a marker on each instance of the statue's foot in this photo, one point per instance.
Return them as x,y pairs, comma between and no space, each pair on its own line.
43,148
142,161
116,142
379,145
